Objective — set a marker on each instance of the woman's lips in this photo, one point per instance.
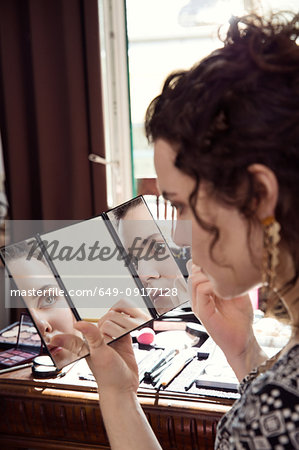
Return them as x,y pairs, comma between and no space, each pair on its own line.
163,303
160,293
55,350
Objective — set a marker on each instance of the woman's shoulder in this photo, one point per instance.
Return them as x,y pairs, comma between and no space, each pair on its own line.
285,372
287,366
267,414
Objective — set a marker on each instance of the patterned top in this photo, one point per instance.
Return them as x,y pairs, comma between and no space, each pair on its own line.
266,417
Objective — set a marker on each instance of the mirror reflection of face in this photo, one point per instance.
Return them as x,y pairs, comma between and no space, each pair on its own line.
50,312
153,271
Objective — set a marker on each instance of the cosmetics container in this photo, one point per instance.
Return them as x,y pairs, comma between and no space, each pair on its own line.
43,367
45,371
192,335
43,360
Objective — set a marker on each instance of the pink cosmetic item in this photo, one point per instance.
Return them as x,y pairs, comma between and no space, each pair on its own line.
146,336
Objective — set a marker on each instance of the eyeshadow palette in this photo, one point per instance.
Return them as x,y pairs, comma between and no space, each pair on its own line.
9,335
27,343
28,335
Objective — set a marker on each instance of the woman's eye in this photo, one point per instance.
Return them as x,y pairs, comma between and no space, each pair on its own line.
47,301
179,208
156,248
159,246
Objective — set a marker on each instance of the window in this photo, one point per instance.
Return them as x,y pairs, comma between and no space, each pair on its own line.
142,42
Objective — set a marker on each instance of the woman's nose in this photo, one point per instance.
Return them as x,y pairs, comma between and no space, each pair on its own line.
182,234
147,270
42,324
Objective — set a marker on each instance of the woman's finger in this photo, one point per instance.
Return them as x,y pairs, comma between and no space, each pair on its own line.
91,332
122,320
124,306
112,329
70,342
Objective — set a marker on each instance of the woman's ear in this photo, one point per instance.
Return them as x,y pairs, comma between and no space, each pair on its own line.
267,187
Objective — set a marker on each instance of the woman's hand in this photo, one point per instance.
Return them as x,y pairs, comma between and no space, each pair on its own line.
116,372
229,323
114,366
120,319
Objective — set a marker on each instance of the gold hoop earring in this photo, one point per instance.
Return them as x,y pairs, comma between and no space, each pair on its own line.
271,239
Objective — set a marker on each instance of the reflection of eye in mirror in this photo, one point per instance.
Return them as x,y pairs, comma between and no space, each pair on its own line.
161,276
182,255
44,299
147,250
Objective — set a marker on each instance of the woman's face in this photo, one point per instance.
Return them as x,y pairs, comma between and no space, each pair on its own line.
234,268
49,310
152,270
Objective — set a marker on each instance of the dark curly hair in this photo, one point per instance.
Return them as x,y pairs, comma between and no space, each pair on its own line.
120,211
25,249
239,106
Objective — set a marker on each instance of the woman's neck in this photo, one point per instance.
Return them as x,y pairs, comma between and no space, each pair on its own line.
290,296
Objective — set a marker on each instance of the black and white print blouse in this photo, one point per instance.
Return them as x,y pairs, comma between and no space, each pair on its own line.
266,417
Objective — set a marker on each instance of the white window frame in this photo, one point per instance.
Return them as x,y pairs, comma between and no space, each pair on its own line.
116,108
116,101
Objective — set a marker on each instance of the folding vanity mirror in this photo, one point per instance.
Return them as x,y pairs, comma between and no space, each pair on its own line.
118,260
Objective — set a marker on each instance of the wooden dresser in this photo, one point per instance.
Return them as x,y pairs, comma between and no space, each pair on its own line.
63,414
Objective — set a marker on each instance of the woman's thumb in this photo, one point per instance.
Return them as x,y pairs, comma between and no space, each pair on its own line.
91,332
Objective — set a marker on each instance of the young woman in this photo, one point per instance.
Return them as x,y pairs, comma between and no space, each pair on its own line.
226,138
